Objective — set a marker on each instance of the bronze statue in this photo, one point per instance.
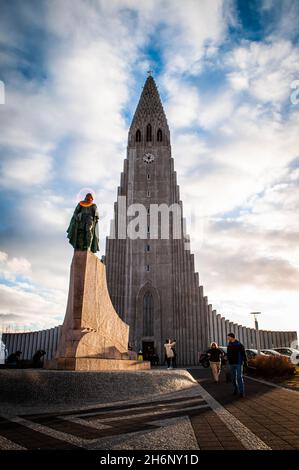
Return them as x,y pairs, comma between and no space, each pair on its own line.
83,229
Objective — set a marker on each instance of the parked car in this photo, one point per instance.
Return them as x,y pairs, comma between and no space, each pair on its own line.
291,353
3,352
204,360
252,353
270,352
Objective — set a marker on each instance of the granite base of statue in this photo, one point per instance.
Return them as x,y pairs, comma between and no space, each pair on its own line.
93,336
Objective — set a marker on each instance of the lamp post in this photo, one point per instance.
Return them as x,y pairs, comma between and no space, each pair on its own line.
257,331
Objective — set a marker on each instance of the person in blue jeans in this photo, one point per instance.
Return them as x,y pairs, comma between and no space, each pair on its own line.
236,357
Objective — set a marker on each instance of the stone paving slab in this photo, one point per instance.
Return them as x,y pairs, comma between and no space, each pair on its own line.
173,433
202,417
211,434
271,413
31,439
121,426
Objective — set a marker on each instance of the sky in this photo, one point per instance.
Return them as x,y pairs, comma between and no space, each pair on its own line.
73,71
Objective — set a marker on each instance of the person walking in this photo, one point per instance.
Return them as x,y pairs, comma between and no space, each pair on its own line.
215,355
174,354
236,357
169,352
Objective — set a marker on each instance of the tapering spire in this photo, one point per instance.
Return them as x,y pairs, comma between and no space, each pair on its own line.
149,108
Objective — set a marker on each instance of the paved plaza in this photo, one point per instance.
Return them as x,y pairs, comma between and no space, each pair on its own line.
205,416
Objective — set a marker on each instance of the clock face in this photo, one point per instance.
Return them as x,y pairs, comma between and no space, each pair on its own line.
148,158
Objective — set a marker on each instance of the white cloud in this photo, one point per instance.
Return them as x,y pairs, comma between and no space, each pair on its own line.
49,215
236,304
183,103
10,268
255,254
190,151
216,110
191,27
265,69
32,296
238,81
19,265
26,171
19,307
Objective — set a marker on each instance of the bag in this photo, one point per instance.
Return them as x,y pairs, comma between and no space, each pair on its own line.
170,353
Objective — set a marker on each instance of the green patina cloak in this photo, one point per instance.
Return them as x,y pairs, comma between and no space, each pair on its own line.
83,229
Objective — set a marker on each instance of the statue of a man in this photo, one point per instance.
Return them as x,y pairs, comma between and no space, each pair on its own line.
83,229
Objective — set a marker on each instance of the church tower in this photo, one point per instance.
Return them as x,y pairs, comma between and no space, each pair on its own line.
151,279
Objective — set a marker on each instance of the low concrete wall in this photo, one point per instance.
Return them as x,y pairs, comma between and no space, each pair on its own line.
28,343
269,339
31,341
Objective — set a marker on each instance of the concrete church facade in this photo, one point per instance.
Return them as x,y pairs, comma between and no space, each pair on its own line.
152,281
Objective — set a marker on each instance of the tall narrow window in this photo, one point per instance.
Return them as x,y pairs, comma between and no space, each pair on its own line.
138,136
159,135
148,314
148,133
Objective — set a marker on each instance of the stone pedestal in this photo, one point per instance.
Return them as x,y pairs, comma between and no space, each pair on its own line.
93,336
96,364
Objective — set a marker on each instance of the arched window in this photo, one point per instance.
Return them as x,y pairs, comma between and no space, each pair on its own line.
148,133
138,136
148,314
159,135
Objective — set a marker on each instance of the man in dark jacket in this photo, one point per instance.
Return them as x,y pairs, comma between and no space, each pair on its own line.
236,357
